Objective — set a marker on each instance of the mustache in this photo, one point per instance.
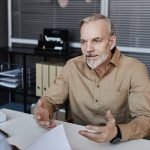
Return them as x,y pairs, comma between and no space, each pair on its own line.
90,54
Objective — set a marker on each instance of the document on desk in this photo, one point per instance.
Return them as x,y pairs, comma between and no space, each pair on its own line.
54,139
66,137
78,142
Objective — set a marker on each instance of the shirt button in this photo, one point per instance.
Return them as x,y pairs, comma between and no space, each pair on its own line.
96,114
96,100
98,86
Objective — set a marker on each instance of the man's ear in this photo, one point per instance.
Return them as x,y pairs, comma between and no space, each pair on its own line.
112,42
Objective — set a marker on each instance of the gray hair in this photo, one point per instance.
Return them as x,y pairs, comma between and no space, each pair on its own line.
95,17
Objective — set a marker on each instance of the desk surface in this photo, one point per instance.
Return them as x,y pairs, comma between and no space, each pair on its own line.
23,131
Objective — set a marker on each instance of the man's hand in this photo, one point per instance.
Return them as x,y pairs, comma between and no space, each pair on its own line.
42,115
101,134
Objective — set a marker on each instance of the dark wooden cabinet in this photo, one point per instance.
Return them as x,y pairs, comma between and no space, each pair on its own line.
23,53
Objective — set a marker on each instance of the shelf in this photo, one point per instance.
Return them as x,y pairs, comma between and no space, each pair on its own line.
24,52
18,50
32,51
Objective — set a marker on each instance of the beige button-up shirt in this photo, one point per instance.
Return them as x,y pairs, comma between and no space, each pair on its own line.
124,89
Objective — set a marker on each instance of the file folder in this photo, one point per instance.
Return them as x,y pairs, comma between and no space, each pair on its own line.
45,77
39,79
52,73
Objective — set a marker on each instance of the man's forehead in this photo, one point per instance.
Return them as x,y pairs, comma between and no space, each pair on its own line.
98,28
95,22
95,25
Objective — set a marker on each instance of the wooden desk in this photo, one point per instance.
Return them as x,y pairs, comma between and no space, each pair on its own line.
23,131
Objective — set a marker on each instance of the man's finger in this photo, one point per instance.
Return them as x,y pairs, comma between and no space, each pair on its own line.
97,137
41,103
94,129
110,118
39,106
37,117
44,123
47,124
53,124
44,114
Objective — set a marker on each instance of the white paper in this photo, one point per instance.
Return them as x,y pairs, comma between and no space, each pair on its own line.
10,79
3,143
8,84
2,116
54,139
11,73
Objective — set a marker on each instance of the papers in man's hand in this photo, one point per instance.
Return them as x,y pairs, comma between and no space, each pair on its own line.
54,139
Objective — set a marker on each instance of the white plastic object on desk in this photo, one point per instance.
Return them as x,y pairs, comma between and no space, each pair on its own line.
2,116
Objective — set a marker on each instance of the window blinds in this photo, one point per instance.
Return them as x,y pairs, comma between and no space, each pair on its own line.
29,17
132,20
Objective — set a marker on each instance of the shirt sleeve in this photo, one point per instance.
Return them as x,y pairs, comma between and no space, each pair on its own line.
57,94
139,105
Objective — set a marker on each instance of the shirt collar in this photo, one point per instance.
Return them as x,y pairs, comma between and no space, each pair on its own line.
116,57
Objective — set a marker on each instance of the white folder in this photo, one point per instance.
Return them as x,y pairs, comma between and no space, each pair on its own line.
39,79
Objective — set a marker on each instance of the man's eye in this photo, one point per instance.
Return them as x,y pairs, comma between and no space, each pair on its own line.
97,41
82,42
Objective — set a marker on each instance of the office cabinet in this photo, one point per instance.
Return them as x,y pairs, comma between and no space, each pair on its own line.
24,53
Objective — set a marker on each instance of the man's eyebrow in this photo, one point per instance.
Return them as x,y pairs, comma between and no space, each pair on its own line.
82,40
97,38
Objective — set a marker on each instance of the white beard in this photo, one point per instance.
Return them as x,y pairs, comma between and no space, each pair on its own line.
95,63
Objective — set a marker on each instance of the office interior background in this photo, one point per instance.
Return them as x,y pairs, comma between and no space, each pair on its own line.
22,21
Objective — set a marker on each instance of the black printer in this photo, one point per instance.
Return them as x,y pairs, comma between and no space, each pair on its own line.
54,41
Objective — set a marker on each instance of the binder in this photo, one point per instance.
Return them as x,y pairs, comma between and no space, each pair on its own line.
45,75
39,79
52,73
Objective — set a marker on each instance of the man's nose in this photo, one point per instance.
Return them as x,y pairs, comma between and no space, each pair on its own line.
89,47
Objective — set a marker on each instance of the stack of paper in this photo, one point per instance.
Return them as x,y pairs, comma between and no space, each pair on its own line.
11,78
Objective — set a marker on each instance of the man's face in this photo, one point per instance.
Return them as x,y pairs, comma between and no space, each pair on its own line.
96,42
